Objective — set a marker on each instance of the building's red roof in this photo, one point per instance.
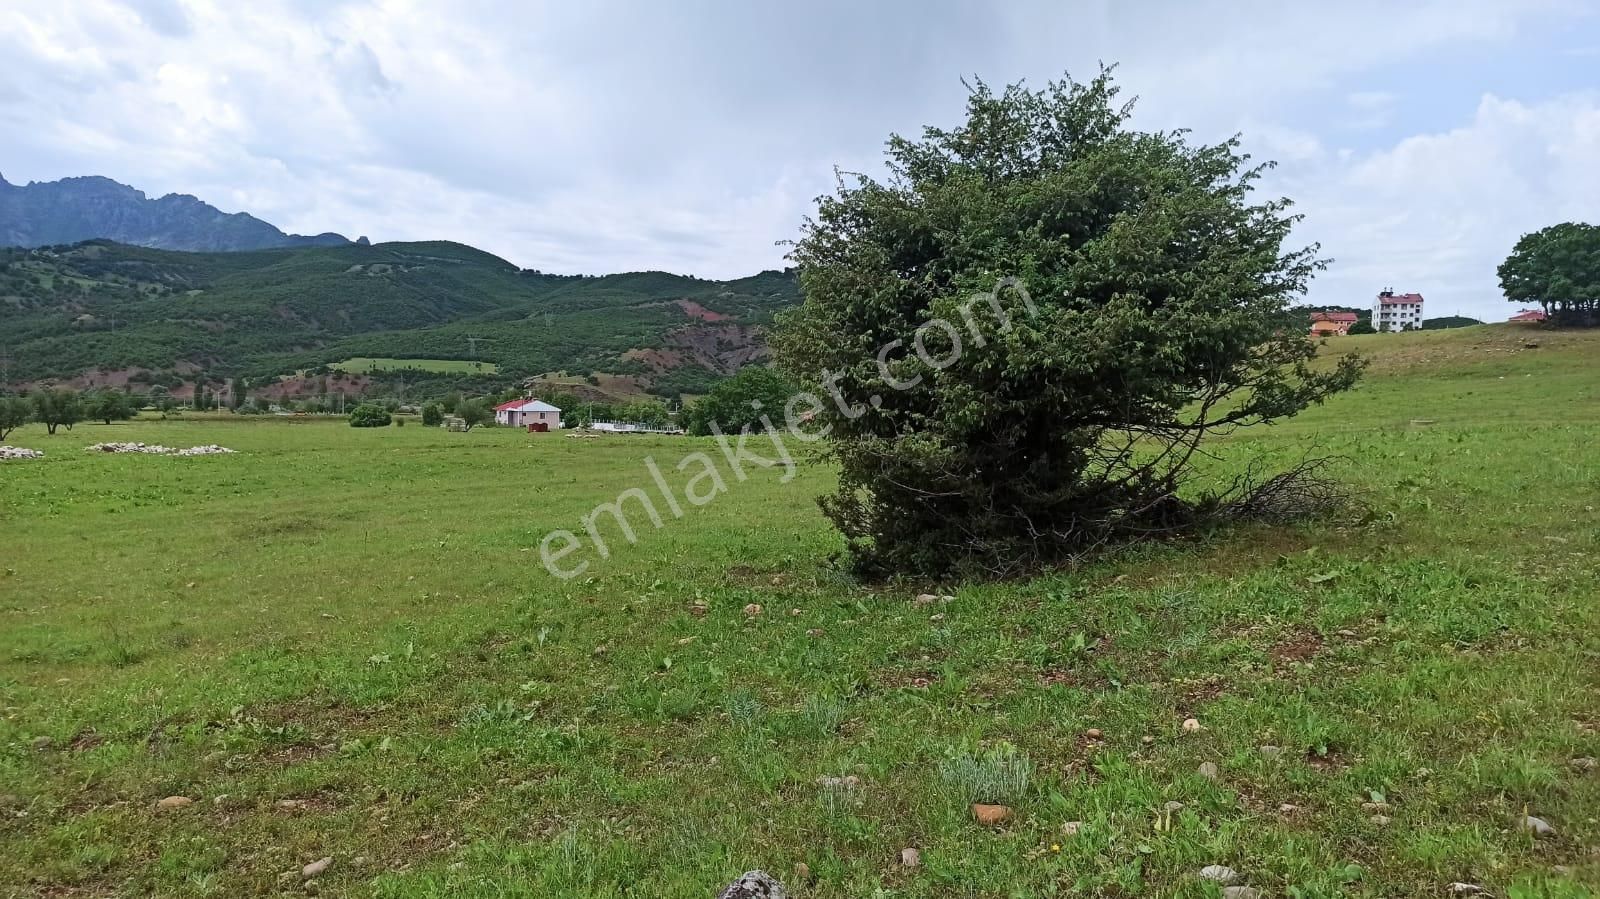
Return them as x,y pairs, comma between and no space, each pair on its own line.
1396,299
506,407
1528,315
1334,317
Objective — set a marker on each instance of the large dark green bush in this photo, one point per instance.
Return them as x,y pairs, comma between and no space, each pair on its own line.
1559,268
432,415
1105,300
741,402
369,415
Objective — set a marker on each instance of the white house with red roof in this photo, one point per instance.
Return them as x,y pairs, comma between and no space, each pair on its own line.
536,414
1397,311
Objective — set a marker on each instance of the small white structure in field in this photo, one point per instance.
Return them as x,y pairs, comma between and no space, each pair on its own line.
537,415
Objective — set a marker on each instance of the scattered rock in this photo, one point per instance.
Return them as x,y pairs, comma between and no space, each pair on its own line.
685,641
1147,740
1221,874
802,873
936,617
18,452
847,782
1380,820
925,599
316,867
796,613
291,804
1240,893
1539,827
755,885
1191,726
1465,889
1094,733
910,857
41,742
1071,828
174,802
1585,763
1288,808
990,815
1209,771
1561,870
698,609
156,449
1173,806
753,609
219,799
1271,752
814,632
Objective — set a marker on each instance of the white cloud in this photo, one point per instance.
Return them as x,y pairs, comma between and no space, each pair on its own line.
1436,213
691,136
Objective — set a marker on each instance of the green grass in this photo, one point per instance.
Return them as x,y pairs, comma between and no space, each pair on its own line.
362,365
346,635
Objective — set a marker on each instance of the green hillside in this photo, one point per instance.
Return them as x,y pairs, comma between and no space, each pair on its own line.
105,308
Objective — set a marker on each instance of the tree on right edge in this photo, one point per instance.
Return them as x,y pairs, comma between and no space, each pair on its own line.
1103,300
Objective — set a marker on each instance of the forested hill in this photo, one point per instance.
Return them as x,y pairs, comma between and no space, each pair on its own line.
56,212
103,312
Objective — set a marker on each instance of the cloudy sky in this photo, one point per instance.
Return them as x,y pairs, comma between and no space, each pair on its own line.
692,136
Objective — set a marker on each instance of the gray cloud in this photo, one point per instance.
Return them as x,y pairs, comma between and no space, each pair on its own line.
692,136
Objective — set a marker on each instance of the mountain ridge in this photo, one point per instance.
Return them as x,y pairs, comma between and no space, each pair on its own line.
99,312
88,207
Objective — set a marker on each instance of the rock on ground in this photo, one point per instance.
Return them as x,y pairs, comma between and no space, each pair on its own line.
1221,874
316,867
754,885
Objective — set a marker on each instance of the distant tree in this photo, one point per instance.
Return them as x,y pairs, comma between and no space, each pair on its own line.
1106,299
646,412
473,412
432,415
108,406
55,407
1559,268
741,401
15,411
369,415
1448,321
450,401
1363,326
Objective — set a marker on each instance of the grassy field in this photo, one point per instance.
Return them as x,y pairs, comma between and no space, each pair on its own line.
341,643
362,365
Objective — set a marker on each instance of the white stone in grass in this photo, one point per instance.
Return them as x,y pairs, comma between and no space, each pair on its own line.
1380,820
1209,771
1173,806
1585,763
316,867
1192,726
1240,893
755,885
910,857
1466,889
1271,752
1071,828
1221,874
1539,827
174,802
